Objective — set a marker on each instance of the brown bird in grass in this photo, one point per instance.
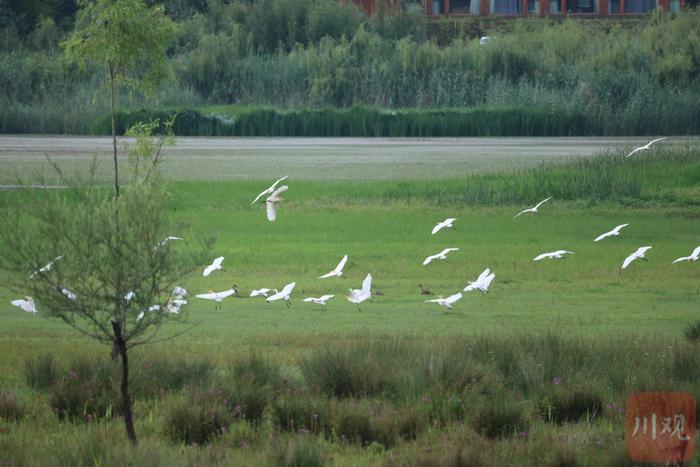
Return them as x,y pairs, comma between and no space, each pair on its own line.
424,291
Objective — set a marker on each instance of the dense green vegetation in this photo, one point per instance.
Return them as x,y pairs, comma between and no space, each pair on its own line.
572,77
536,372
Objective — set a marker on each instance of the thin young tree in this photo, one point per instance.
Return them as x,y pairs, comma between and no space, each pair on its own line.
128,38
115,277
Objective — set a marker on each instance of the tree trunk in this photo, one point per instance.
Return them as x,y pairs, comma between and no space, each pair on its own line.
120,347
114,130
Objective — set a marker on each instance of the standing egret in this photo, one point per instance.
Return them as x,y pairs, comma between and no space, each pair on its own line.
27,305
534,209
216,265
283,294
646,146
271,202
45,268
694,256
358,296
269,190
446,302
614,232
262,292
639,254
217,296
482,282
553,255
338,271
320,300
441,255
447,223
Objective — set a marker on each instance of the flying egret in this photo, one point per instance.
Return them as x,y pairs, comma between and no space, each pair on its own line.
213,266
447,223
269,190
271,202
424,291
446,302
262,292
320,300
129,296
694,256
166,240
67,293
482,282
646,146
639,254
358,296
441,255
533,210
614,232
553,255
27,305
217,296
45,268
338,271
177,300
283,294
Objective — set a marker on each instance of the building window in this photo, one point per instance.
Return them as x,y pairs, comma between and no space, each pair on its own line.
533,7
581,6
506,7
554,7
438,7
639,6
614,6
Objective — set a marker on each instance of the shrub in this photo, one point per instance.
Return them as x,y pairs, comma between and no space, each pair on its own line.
302,413
257,371
156,374
11,408
41,372
195,419
499,418
299,452
692,332
569,404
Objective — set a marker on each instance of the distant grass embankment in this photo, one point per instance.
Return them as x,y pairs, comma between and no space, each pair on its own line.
362,121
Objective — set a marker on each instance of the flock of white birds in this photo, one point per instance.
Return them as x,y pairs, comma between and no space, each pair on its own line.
356,296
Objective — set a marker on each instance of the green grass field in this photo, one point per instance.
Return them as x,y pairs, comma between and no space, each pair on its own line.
582,317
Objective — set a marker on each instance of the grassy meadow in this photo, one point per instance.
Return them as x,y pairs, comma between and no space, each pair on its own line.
534,373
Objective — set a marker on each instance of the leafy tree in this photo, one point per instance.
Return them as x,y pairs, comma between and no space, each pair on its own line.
115,276
131,40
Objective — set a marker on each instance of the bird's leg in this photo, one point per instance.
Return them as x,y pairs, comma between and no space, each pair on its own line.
287,302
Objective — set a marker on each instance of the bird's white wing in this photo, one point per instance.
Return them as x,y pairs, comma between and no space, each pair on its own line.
483,275
602,236
367,284
542,202
641,251
682,258
435,300
628,260
208,296
656,140
427,260
226,293
275,194
542,256
262,193
312,299
453,298
217,262
437,228
695,253
288,289
326,297
524,211
487,280
274,185
636,150
341,265
271,208
619,227
447,250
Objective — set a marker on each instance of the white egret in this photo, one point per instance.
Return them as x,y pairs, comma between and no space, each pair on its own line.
358,296
179,292
338,271
646,146
441,255
129,296
484,40
639,254
447,223
262,292
482,282
283,294
614,232
45,268
166,240
27,304
271,202
534,209
320,300
553,255
151,309
216,265
269,190
217,296
446,302
694,256
177,300
67,293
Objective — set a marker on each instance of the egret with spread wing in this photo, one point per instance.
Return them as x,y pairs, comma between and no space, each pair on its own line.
639,254
613,233
482,282
358,296
216,265
269,190
283,294
338,271
447,223
534,209
272,201
646,147
446,302
694,256
217,296
559,254
441,255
